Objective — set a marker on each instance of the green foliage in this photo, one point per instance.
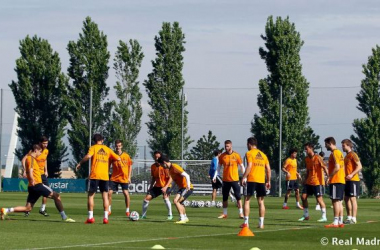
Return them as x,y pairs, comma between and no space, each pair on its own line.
164,87
367,129
126,116
40,95
88,68
204,149
283,44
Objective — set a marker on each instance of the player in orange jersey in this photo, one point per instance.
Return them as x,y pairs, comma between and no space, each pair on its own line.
160,184
121,175
230,160
337,181
42,163
185,188
256,178
100,156
36,188
352,166
314,182
292,175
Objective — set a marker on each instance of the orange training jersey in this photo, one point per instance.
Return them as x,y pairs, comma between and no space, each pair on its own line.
290,165
31,162
336,156
175,172
350,162
41,160
258,160
120,169
230,164
101,155
160,174
315,171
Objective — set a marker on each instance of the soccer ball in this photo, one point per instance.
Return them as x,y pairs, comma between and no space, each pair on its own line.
194,204
208,204
186,203
219,204
134,216
201,203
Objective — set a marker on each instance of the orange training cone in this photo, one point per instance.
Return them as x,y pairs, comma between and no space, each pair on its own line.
245,231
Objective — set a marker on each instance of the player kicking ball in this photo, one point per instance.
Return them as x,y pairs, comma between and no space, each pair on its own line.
35,188
185,188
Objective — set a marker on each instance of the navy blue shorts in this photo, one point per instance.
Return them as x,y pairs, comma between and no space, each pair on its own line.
227,187
36,191
115,185
336,191
184,194
94,184
260,189
155,192
352,189
44,180
217,184
317,190
292,185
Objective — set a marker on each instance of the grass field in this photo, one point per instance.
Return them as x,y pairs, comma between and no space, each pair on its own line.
204,231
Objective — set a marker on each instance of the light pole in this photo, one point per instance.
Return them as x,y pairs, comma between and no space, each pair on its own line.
280,146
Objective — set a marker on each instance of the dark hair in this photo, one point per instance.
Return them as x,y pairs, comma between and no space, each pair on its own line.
292,150
322,154
330,140
252,141
118,141
157,152
97,137
216,152
36,147
163,158
348,142
309,145
227,142
43,139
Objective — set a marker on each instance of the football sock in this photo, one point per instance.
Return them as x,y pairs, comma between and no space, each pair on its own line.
323,210
336,219
261,221
168,205
106,215
297,204
246,220
145,207
340,219
225,211
63,215
306,212
349,217
90,214
284,205
240,210
354,219
126,210
182,216
109,208
43,206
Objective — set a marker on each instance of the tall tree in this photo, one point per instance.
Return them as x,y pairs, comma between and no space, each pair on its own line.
204,149
282,57
40,95
126,116
164,87
367,129
88,70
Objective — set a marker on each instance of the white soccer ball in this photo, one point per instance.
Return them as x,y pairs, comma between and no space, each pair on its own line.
219,204
194,204
134,216
201,203
208,204
186,203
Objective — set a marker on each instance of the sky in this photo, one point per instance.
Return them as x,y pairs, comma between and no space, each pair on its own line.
222,66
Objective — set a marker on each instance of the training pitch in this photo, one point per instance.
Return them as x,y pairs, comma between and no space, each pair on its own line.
204,231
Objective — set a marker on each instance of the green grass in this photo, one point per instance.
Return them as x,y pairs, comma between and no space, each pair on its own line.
204,231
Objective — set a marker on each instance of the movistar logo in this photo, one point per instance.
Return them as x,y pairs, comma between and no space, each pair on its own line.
22,185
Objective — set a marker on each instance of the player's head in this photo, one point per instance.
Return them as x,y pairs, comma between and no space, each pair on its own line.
118,145
228,145
164,161
217,152
43,142
37,149
251,142
330,143
293,152
347,145
156,155
309,148
322,154
98,138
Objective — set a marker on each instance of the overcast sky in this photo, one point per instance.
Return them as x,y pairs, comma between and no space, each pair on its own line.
222,42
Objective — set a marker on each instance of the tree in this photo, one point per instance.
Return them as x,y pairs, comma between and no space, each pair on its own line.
164,87
283,44
204,149
367,129
126,117
89,71
40,95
